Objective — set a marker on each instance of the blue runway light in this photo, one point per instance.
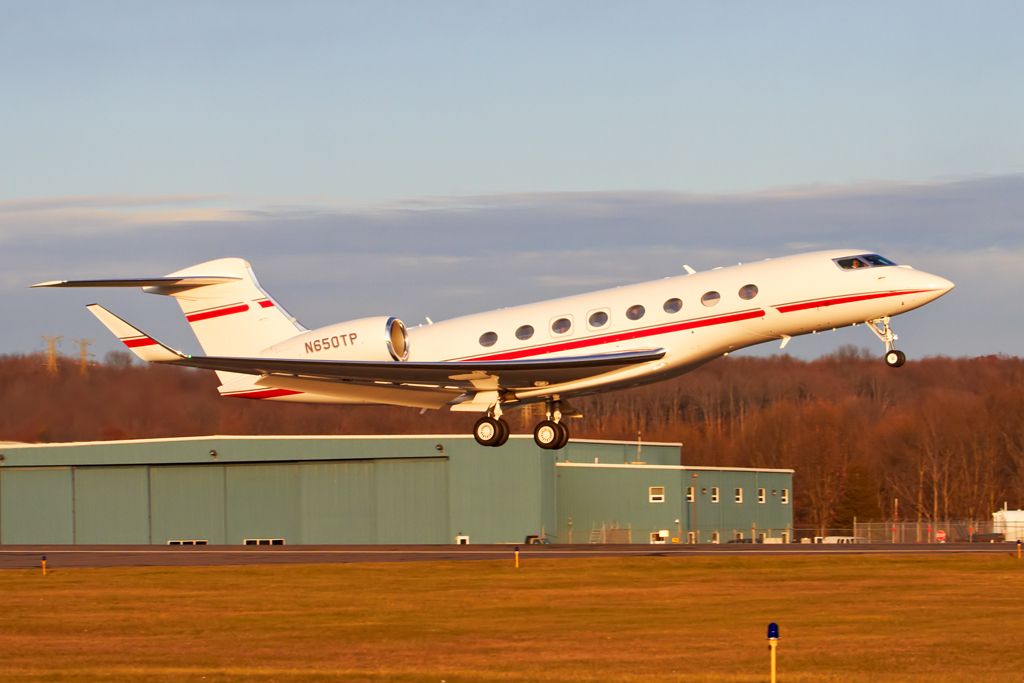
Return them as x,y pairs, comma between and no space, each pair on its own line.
773,631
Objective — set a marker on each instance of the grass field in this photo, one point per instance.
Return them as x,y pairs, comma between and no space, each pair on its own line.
855,618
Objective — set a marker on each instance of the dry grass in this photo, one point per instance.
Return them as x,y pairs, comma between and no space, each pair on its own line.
856,618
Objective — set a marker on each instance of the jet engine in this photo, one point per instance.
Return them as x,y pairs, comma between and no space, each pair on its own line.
380,338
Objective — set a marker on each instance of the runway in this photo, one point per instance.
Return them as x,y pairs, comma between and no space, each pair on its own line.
63,556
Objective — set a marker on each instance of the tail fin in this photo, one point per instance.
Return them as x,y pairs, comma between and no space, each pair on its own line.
231,317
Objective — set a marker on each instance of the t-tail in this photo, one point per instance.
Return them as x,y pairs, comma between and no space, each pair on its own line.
227,309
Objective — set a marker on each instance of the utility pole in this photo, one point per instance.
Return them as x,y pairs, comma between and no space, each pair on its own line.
51,353
83,355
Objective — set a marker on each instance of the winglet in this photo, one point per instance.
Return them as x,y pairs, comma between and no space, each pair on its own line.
141,344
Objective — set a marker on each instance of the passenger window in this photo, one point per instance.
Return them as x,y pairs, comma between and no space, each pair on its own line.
635,312
673,305
748,292
598,319
561,325
711,298
488,338
524,332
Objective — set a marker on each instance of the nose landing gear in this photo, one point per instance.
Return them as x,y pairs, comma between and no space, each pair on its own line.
882,330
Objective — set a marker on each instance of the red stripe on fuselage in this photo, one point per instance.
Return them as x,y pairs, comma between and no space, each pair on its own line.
820,303
216,313
135,343
266,303
263,393
620,336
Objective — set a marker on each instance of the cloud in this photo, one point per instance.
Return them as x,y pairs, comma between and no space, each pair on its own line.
442,256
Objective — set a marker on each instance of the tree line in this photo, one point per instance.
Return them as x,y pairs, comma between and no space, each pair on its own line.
944,436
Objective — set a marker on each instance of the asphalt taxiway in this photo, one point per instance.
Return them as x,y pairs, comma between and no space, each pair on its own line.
24,556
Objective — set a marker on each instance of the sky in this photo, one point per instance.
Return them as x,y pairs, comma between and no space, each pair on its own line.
415,158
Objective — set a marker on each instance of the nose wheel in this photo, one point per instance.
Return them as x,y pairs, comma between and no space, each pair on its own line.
895,359
882,330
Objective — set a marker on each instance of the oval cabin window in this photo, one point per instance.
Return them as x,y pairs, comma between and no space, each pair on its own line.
561,326
635,312
673,305
488,338
748,292
524,332
711,298
598,319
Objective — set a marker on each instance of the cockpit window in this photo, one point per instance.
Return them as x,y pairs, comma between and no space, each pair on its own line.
862,261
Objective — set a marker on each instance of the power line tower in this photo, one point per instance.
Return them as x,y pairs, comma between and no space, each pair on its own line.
83,355
51,353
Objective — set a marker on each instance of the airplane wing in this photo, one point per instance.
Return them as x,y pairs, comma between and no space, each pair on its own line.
468,375
190,281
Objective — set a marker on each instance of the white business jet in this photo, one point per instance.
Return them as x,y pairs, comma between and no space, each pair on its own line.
543,352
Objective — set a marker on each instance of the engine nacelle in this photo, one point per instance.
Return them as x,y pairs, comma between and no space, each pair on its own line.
380,338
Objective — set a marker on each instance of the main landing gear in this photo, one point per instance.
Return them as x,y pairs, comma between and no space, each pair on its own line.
550,433
882,330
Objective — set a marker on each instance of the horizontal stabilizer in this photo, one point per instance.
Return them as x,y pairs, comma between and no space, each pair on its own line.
168,282
141,344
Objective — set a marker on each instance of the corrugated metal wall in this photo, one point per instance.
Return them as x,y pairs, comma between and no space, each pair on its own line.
358,490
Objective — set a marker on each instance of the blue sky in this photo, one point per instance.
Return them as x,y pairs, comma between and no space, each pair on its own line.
576,143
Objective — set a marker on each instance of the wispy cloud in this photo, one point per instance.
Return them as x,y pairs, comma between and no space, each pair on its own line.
443,256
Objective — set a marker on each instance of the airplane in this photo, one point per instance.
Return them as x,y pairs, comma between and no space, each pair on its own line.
545,352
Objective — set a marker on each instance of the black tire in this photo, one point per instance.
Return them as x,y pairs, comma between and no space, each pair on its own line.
487,431
563,439
547,434
895,359
505,432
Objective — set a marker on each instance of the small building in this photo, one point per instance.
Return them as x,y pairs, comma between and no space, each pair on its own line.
378,490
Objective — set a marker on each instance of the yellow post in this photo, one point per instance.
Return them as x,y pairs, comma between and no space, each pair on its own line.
1019,543
517,557
42,563
773,642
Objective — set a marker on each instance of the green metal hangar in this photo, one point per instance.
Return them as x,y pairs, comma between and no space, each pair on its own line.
379,490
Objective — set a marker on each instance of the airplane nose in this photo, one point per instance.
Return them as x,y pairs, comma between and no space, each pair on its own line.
936,283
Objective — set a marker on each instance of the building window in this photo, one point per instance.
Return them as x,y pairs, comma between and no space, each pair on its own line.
691,495
524,332
561,326
488,338
761,496
748,292
656,494
673,305
715,538
691,537
635,312
737,535
738,495
710,299
598,319
785,497
714,494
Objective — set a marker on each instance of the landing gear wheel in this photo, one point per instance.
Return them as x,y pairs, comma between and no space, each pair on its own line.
547,434
895,359
505,431
488,431
563,440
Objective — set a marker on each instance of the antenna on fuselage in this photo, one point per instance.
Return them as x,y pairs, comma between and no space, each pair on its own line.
688,269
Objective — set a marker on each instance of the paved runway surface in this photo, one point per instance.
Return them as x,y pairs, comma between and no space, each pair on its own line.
20,557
